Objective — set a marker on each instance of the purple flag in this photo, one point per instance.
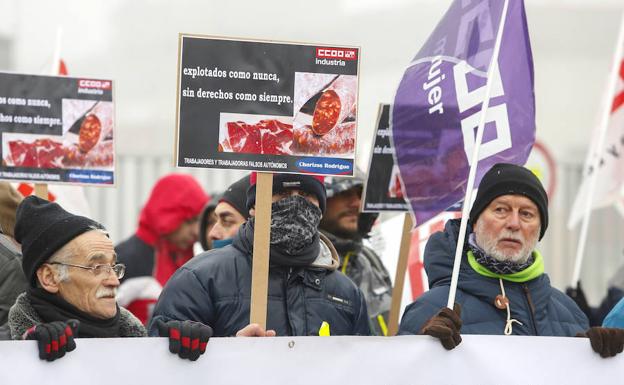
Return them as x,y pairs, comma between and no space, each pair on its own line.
437,105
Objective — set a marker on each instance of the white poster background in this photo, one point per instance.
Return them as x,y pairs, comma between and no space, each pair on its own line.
407,360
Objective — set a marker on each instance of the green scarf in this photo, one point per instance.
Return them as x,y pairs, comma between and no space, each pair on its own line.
531,272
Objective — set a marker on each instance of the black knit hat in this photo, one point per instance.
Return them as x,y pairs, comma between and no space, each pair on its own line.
204,216
236,196
312,184
505,178
42,228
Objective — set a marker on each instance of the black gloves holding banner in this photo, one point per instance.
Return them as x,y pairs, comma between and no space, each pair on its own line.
605,341
445,326
54,338
187,339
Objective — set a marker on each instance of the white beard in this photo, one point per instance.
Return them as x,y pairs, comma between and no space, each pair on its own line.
489,244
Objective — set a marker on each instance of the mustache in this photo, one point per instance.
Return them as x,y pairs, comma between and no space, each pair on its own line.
104,292
506,234
350,212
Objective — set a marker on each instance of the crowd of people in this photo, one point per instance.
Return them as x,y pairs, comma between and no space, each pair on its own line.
63,279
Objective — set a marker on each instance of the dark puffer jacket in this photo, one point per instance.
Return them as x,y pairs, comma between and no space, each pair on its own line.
215,288
542,309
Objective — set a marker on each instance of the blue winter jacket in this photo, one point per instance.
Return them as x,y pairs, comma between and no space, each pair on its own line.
615,318
215,288
542,309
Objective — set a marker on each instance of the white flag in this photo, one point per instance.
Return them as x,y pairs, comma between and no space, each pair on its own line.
609,160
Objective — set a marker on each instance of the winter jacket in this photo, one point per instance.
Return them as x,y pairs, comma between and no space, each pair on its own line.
24,316
541,309
364,267
615,318
149,258
215,288
12,279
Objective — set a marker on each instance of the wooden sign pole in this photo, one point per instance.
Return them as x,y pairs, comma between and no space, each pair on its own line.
262,233
399,278
41,190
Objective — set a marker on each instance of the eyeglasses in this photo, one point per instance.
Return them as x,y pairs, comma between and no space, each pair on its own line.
119,269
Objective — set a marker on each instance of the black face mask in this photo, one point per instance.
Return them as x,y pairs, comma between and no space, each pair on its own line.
294,224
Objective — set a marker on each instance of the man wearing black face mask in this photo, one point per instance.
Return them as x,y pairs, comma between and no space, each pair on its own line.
306,294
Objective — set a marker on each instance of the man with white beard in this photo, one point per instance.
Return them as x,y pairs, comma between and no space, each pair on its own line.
73,275
502,286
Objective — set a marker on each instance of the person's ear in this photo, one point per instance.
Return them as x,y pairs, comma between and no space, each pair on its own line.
48,279
252,212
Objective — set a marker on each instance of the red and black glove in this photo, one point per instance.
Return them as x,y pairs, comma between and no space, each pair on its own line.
445,326
54,338
187,339
605,341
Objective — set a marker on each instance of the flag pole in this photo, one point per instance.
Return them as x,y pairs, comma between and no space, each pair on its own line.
604,124
41,189
475,159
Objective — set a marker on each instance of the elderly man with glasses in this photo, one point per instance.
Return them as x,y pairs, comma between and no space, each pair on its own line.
71,268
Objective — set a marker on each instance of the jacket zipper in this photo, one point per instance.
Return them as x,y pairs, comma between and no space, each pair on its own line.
527,293
290,329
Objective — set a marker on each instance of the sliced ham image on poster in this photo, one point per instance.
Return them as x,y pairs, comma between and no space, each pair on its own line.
58,129
253,134
267,106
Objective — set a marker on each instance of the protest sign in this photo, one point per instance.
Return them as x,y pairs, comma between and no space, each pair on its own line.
266,106
438,104
56,129
288,360
383,191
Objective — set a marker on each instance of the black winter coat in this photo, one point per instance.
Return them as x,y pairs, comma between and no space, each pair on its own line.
215,288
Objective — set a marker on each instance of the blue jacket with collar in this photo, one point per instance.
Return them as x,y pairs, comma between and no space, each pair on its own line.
215,288
542,309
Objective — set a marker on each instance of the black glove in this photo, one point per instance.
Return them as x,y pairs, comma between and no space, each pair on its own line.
187,339
605,341
445,326
54,338
578,295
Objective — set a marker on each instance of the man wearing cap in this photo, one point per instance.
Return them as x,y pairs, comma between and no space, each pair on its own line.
230,213
346,228
502,286
168,229
306,295
72,275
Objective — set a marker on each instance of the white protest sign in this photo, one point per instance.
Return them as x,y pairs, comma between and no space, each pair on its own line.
312,360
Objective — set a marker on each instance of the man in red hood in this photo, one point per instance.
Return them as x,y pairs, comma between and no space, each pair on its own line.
168,228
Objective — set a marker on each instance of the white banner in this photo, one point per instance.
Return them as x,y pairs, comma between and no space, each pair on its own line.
408,360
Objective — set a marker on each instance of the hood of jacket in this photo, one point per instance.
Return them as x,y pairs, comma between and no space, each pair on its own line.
173,200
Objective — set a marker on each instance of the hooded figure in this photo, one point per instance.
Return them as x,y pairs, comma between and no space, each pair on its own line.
168,229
